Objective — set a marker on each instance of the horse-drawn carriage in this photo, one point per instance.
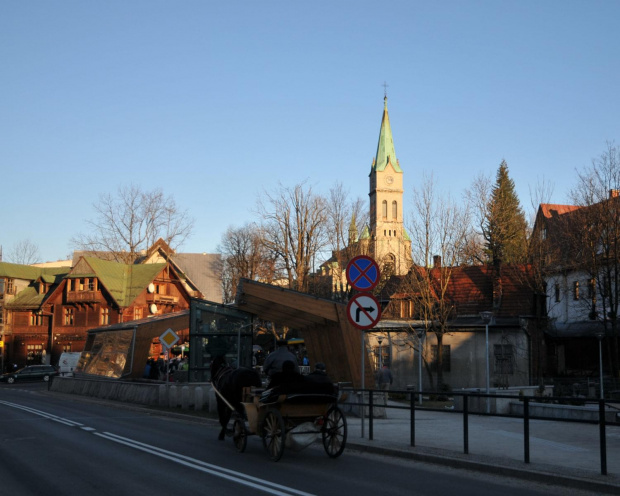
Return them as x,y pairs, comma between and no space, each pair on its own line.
290,419
293,415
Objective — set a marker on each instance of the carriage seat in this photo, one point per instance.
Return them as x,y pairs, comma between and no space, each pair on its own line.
302,392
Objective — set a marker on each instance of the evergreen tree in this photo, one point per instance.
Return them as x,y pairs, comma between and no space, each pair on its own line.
505,227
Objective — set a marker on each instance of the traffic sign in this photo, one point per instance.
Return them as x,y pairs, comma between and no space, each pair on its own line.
169,338
363,273
363,311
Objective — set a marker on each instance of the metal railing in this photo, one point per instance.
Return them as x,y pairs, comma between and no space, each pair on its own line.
413,395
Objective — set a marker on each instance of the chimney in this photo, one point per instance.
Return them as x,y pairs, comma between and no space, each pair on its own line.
614,193
437,261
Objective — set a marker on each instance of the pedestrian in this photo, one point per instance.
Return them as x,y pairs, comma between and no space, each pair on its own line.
385,377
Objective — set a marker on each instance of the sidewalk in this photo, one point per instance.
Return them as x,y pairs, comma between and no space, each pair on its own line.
563,453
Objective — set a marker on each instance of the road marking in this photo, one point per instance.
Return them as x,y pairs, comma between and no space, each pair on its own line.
224,473
43,414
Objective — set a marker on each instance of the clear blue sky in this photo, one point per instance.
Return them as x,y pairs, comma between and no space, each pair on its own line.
213,101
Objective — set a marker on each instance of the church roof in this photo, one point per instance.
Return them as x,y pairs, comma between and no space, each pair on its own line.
385,148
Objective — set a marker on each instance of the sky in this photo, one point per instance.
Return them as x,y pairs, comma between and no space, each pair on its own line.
216,103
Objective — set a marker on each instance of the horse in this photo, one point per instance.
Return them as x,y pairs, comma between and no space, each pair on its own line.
229,382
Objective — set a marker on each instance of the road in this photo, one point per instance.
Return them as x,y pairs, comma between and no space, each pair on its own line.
60,445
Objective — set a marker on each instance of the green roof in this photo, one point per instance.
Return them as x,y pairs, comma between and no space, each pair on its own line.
30,273
385,149
123,282
27,298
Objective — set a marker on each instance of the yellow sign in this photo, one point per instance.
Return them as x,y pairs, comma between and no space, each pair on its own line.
1,344
168,338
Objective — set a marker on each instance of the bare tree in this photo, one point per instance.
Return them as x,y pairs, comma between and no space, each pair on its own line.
294,223
244,256
132,221
345,219
595,233
477,198
24,252
440,228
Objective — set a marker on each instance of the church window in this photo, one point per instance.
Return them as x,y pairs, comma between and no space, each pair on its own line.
394,209
384,209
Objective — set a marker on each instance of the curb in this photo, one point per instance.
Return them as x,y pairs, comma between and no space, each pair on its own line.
495,467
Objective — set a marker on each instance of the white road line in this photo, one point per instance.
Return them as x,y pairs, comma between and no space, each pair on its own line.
238,477
43,414
224,473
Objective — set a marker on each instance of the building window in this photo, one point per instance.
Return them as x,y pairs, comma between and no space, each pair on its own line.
557,293
81,287
104,316
445,356
10,288
68,316
36,319
394,209
1,286
137,313
591,288
576,290
384,209
66,348
504,359
34,353
91,284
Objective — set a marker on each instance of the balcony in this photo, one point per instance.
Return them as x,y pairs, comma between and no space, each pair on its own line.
161,299
84,297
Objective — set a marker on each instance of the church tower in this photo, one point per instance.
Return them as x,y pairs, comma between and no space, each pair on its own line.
390,244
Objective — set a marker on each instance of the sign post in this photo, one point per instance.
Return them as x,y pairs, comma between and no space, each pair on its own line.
168,339
363,310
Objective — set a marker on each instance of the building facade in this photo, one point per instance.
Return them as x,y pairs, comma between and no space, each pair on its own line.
48,311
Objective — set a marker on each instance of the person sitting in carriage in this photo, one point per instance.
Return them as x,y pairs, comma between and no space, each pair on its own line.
288,377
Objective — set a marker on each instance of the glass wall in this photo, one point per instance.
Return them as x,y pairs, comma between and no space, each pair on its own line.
217,330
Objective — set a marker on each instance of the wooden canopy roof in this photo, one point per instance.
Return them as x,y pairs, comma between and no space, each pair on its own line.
327,332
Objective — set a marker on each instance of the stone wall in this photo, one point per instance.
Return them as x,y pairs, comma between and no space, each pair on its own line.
193,396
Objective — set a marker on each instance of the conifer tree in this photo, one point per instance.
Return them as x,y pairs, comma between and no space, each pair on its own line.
505,227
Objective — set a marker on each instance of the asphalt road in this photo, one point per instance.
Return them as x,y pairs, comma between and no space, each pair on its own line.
63,446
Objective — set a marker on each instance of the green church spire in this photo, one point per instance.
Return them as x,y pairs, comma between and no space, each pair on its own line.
385,148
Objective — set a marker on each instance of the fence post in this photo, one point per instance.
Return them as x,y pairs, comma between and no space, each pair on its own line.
526,429
412,416
466,423
370,415
601,423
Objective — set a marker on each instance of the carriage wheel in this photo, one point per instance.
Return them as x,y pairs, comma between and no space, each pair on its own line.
334,432
240,435
274,434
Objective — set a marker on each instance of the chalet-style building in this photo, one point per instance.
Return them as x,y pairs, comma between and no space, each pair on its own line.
48,311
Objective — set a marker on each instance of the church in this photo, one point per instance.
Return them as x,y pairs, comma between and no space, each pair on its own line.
384,238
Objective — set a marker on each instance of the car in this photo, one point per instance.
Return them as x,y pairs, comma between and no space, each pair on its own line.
30,373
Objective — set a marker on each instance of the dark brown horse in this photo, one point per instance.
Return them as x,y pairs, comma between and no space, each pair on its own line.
229,382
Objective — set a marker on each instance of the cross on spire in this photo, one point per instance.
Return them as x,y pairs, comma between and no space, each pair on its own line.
385,87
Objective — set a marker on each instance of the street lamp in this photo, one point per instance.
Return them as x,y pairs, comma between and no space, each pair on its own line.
486,318
600,335
421,334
